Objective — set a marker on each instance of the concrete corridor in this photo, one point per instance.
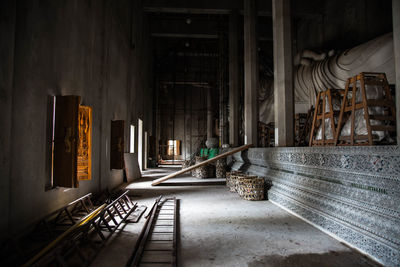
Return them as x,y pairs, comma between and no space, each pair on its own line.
217,228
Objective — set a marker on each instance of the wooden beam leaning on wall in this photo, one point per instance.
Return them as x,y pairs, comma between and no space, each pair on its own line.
223,155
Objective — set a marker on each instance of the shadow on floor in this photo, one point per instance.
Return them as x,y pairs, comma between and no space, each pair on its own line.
330,259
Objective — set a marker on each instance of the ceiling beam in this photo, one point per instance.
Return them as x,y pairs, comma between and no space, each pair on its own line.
199,11
194,83
196,7
206,11
198,36
185,35
182,10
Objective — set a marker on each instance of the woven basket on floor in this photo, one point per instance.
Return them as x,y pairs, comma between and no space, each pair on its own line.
200,172
230,181
220,168
220,172
251,188
229,177
186,164
239,183
233,181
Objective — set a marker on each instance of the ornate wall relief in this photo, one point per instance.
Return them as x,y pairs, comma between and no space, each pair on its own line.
351,192
85,143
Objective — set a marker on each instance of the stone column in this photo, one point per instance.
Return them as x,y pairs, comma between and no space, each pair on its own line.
223,90
209,115
283,73
250,73
396,46
233,80
211,141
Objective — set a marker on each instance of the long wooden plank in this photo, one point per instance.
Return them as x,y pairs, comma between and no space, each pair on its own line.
223,155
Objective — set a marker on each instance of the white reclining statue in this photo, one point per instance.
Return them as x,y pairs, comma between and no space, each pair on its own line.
315,72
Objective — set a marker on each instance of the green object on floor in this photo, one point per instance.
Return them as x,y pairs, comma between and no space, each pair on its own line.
209,152
212,152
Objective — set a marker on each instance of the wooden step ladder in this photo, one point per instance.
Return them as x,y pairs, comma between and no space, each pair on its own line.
350,106
324,109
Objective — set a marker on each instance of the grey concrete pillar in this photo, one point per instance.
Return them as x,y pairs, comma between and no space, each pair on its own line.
212,141
396,46
283,73
210,122
233,80
223,90
250,73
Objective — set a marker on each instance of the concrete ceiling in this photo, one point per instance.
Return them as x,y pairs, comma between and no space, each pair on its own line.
303,8
185,30
208,18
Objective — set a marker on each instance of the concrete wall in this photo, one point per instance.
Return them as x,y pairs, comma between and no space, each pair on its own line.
7,32
184,68
339,24
95,49
182,116
350,192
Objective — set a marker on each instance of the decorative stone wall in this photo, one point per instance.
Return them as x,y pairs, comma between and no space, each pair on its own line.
351,192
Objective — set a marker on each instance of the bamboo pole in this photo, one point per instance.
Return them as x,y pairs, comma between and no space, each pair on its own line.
223,155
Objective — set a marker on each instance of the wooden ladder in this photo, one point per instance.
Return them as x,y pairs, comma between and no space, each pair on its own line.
80,244
157,242
321,113
350,106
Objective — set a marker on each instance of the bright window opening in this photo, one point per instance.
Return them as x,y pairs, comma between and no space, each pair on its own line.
132,145
140,143
174,148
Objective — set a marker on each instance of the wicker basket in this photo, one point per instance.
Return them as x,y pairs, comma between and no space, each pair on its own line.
241,181
185,164
251,188
229,179
220,168
220,172
200,172
233,181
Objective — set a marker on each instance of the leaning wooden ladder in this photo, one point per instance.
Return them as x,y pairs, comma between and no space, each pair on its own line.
21,247
80,244
349,105
321,113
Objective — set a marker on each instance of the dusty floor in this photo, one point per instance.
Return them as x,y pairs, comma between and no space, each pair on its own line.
217,228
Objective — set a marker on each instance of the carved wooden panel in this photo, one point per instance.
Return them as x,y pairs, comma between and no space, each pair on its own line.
65,141
85,143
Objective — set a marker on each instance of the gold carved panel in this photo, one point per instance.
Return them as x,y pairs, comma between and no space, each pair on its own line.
85,143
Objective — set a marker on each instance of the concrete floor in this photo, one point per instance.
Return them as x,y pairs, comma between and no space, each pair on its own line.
217,228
